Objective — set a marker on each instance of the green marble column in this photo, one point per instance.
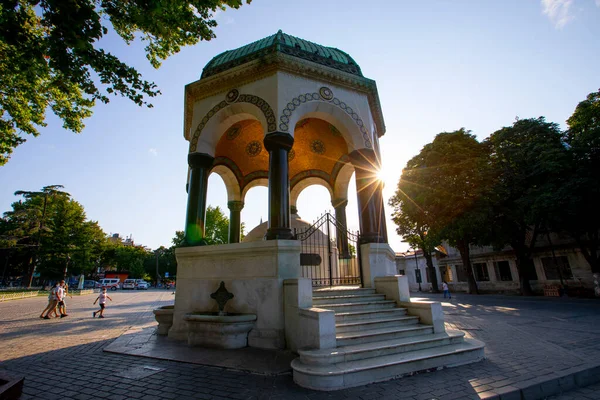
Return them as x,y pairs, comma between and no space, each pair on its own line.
341,227
200,165
370,198
278,145
235,220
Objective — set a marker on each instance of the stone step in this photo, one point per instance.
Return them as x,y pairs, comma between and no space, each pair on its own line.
360,306
377,335
349,316
375,323
361,372
318,301
381,348
341,292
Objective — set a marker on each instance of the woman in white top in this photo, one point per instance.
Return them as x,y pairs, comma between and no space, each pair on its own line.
52,302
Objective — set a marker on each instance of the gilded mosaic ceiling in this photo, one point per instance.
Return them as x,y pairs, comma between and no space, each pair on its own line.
243,144
317,146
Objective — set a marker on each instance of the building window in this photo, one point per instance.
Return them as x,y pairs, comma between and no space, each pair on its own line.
427,277
461,276
481,272
446,273
400,272
552,270
502,269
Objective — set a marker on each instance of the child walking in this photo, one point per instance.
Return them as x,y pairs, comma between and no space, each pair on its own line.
103,296
446,290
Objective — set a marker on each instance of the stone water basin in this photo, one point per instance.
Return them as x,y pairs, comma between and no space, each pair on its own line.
164,317
229,331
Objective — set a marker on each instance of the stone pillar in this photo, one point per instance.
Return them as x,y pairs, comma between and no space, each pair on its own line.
370,199
200,165
342,227
235,220
278,145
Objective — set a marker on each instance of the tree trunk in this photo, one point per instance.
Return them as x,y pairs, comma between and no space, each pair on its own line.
589,249
463,248
432,275
524,267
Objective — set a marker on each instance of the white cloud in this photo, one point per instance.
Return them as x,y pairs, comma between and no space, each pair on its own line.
153,151
559,11
224,19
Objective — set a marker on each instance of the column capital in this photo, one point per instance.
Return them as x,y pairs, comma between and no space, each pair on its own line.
278,140
200,160
365,159
235,205
339,203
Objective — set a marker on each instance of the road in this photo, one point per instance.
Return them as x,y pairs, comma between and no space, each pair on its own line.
526,338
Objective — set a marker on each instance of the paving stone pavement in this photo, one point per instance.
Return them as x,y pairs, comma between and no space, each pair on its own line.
528,340
591,392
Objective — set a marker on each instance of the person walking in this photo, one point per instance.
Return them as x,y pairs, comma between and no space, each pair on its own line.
52,302
62,307
446,290
102,299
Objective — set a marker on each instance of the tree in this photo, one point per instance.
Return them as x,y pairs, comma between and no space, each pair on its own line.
217,226
441,192
50,56
582,190
412,225
529,159
50,229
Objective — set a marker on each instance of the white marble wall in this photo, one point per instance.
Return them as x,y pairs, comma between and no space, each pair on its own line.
378,259
254,272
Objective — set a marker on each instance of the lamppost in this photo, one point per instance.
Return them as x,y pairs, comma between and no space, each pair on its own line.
157,253
417,270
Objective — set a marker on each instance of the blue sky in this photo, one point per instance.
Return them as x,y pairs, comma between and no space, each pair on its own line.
439,66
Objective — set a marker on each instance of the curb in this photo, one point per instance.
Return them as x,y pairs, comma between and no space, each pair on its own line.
542,387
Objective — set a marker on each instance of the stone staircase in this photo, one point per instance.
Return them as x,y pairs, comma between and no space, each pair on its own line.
377,341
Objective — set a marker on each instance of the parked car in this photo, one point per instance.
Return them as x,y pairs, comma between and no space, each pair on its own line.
90,284
143,285
110,283
129,284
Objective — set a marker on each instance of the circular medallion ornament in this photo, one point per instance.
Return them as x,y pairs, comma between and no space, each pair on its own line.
232,95
326,93
291,155
317,146
254,148
233,132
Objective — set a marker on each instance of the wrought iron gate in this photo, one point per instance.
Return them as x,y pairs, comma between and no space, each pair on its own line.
330,253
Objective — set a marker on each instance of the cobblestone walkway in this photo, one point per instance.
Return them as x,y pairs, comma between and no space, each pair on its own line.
527,340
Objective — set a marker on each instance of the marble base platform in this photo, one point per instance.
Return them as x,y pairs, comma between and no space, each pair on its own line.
144,342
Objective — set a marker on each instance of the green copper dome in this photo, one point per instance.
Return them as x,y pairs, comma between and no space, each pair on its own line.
286,44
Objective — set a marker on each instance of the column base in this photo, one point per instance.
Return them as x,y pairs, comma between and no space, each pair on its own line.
279,234
371,238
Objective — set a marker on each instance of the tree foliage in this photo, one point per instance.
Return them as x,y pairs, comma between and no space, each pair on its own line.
50,56
217,226
439,194
581,216
530,161
50,229
413,224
